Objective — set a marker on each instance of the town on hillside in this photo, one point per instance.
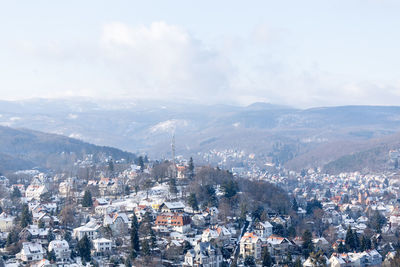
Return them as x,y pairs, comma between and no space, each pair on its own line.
176,213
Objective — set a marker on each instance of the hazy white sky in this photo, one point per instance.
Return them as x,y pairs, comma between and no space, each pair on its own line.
300,53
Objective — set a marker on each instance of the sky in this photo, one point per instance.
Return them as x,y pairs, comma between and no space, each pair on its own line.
298,53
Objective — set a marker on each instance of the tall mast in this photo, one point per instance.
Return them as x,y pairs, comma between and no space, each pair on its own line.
173,154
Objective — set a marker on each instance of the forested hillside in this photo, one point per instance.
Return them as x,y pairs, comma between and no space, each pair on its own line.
22,149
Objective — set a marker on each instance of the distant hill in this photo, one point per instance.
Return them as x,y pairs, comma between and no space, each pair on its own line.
22,149
294,138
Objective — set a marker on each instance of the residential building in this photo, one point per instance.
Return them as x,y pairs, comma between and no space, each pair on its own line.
31,252
203,254
250,245
61,250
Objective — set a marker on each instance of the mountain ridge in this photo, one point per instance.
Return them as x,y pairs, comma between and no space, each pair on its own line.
287,135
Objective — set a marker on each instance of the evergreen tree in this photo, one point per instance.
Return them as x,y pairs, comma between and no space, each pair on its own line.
312,205
186,246
67,236
87,199
350,240
127,190
307,246
50,236
377,221
141,163
365,243
191,168
111,166
230,188
26,216
16,193
192,201
153,237
212,199
341,248
51,256
266,258
291,231
12,238
84,246
295,206
134,236
145,248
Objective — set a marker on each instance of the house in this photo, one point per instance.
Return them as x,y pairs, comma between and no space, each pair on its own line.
181,172
279,246
172,207
118,222
111,186
100,202
64,188
31,252
42,217
90,230
310,263
33,232
263,229
366,258
6,222
211,215
321,244
203,254
217,234
173,221
35,191
250,245
61,250
102,246
104,209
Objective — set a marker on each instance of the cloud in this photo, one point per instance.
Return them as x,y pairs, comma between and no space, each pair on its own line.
163,60
167,62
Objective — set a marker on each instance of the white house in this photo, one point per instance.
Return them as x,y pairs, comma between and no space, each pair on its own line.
102,246
35,191
263,229
366,258
61,249
90,230
31,252
118,222
218,234
6,222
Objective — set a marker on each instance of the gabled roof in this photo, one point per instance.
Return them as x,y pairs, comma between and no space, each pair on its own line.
173,205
